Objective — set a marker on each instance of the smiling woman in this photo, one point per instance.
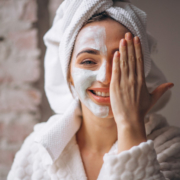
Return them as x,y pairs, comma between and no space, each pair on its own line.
90,52
91,63
106,128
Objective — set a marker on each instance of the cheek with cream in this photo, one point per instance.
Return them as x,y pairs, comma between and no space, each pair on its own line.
101,75
83,79
91,37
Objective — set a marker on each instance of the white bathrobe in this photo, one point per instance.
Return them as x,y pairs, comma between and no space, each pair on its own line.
156,159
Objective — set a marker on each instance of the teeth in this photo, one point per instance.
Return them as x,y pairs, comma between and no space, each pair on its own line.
101,93
98,93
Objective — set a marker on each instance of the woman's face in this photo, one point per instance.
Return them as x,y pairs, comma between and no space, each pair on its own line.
91,64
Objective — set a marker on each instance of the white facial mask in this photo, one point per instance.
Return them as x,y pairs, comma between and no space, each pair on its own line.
83,79
93,37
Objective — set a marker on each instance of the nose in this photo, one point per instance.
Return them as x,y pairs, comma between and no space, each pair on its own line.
104,73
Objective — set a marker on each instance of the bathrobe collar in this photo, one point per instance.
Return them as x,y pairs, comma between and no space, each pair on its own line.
59,130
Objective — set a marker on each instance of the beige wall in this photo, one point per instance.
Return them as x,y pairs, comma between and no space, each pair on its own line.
164,24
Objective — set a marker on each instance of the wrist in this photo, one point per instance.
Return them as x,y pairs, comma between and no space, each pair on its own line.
131,132
129,136
129,122
134,129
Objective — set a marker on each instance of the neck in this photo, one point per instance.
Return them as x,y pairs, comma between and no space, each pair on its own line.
96,135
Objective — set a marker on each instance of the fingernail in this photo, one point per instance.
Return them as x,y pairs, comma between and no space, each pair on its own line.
136,39
117,53
128,36
123,42
171,86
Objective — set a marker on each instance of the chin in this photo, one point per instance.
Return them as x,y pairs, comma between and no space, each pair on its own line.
91,107
97,109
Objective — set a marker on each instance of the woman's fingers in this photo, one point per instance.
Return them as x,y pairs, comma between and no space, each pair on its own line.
123,60
139,60
116,69
131,57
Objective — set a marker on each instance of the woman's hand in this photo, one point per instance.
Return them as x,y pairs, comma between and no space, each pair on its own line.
129,96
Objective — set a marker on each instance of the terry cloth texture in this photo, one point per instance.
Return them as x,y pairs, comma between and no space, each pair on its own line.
156,159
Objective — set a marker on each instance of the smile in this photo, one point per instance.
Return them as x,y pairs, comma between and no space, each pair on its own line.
99,95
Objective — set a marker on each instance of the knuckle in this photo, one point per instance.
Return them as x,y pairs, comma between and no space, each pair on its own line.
132,82
123,63
139,59
131,58
124,89
140,80
115,70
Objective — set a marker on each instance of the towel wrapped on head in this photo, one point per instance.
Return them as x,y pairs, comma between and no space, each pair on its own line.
60,39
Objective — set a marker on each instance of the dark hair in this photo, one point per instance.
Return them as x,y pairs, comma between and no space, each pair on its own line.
96,17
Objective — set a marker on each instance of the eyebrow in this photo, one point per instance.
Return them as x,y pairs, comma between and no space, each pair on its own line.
90,51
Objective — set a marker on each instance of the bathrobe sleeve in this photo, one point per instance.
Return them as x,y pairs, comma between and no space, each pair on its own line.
138,163
156,159
167,146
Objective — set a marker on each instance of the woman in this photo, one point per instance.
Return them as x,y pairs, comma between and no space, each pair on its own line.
104,129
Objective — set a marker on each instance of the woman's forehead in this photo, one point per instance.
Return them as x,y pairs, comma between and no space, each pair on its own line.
91,37
106,30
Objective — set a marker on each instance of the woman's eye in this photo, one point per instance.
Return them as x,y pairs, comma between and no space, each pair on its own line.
88,62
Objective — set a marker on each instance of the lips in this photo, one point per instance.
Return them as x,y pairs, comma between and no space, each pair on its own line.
99,95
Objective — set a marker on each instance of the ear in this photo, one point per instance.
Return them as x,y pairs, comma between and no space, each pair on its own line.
71,81
69,77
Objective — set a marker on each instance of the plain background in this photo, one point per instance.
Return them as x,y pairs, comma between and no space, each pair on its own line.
163,22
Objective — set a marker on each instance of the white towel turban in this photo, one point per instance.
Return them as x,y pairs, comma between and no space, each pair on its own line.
60,39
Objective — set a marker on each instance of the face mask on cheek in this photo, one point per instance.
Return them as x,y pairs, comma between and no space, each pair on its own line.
92,37
83,79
